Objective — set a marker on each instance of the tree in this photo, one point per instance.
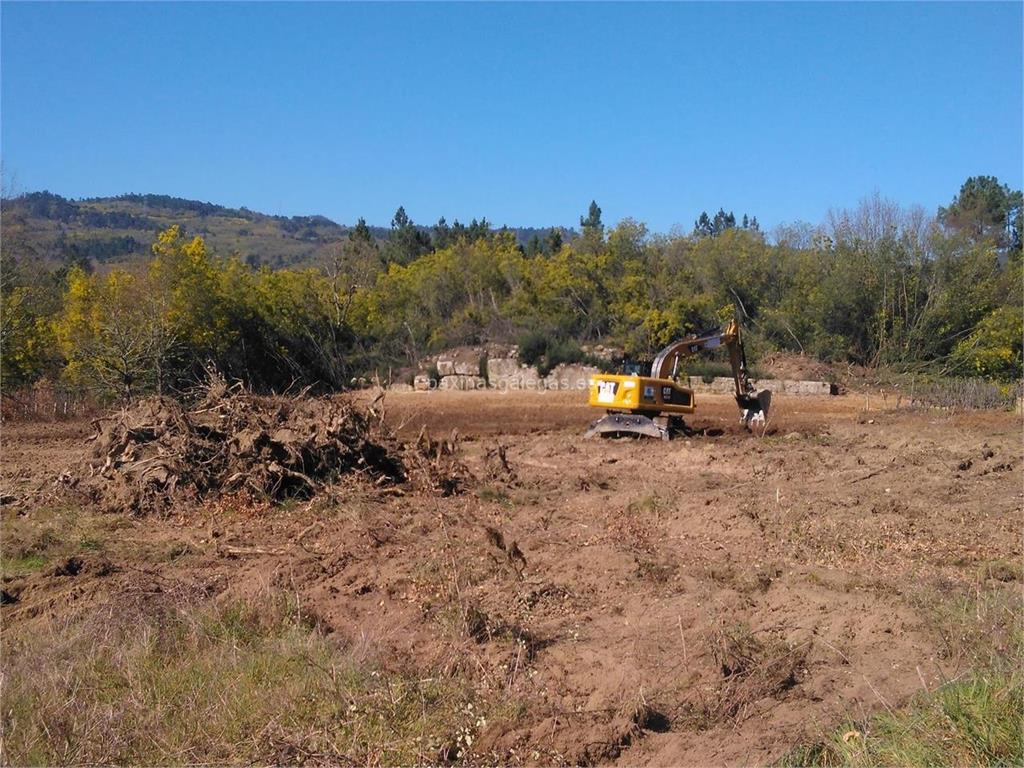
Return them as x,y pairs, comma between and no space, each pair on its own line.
986,210
592,222
994,347
723,221
702,227
534,246
109,334
706,226
442,234
29,298
406,242
553,241
361,233
593,230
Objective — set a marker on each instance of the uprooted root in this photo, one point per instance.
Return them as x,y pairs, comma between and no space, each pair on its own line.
498,466
158,453
437,464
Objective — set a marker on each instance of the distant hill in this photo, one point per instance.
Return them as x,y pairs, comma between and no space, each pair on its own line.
111,230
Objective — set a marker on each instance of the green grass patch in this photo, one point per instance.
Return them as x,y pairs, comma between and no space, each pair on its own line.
977,721
20,565
29,543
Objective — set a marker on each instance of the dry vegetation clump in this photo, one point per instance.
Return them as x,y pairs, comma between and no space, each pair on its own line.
159,452
751,668
436,463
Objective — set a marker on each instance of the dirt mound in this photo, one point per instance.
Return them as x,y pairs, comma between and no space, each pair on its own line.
787,365
158,452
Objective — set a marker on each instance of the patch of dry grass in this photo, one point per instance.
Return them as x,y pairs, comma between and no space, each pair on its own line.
248,682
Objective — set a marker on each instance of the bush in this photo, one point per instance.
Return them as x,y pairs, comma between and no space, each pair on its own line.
547,353
532,347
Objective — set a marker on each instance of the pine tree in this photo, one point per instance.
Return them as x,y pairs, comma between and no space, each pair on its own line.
360,233
553,242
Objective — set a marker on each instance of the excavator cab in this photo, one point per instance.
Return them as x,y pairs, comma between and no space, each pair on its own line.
654,405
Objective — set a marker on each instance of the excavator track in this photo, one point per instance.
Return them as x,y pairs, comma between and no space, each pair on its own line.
636,425
621,424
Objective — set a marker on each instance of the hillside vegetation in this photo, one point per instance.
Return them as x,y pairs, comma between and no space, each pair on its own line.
878,285
118,230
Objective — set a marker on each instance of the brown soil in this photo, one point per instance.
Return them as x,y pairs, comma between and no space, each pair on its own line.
788,365
714,600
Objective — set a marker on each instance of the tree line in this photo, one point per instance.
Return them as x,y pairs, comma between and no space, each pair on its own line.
879,285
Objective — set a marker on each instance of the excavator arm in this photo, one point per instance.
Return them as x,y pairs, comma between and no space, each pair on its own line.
666,366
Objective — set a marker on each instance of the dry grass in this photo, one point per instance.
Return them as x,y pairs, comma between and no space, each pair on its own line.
242,683
751,667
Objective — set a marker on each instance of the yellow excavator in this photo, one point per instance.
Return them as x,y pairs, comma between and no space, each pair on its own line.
653,406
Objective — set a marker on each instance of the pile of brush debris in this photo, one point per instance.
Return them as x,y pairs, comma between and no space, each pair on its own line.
159,454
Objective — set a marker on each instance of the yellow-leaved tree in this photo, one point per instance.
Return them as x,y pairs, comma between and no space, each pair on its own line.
106,333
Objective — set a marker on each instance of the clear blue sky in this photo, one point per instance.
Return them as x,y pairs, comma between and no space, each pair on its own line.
522,113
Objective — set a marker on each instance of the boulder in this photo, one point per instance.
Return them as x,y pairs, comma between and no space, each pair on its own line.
462,362
506,373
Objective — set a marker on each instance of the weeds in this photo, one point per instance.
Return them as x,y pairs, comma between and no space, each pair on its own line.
30,543
249,682
970,722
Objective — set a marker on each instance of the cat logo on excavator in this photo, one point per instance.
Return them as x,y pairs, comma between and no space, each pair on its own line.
654,405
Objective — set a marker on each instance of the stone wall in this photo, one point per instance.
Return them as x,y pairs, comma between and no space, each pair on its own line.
509,373
499,368
722,385
462,381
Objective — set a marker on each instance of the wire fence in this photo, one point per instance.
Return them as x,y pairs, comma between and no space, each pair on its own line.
46,401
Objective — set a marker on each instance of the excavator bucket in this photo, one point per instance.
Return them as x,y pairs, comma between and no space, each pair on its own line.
754,406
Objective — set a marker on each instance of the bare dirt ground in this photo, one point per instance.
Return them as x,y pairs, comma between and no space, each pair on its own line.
713,600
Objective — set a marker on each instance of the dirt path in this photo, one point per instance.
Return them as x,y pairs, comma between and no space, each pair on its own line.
704,601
